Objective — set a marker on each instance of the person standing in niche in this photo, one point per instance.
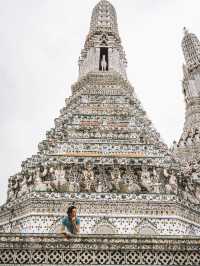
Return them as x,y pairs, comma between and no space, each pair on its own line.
71,223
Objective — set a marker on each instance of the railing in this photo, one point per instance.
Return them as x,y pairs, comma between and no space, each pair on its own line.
55,249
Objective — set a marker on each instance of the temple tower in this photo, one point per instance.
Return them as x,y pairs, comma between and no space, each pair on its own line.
138,205
188,147
103,50
104,154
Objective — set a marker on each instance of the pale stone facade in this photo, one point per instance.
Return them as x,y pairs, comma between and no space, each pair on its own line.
105,156
188,147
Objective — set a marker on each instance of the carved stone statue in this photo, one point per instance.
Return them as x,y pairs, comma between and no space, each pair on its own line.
30,179
189,139
103,63
23,184
60,175
44,173
145,179
15,185
191,193
181,142
88,176
57,179
71,186
99,187
10,192
172,186
134,184
195,175
115,178
131,181
51,173
72,183
157,185
197,137
38,184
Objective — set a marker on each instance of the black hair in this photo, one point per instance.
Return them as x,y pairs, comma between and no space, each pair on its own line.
69,210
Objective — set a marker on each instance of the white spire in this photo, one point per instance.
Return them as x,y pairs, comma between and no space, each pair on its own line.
103,51
191,49
189,141
104,18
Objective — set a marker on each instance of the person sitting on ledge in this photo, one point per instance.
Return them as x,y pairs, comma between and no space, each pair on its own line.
71,223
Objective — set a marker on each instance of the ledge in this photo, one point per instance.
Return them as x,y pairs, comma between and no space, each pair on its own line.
133,242
52,249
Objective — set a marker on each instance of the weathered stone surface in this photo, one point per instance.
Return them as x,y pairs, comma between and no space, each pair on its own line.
138,201
97,250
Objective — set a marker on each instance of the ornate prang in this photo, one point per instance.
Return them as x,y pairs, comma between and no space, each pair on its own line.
105,156
188,147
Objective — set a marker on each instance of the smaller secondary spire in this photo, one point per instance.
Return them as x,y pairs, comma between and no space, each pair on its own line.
189,141
191,50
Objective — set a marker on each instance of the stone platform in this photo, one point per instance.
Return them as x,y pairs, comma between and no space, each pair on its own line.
54,249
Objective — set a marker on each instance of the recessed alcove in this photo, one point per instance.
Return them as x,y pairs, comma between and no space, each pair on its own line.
103,55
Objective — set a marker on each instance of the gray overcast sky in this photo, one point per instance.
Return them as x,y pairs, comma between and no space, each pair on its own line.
40,42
